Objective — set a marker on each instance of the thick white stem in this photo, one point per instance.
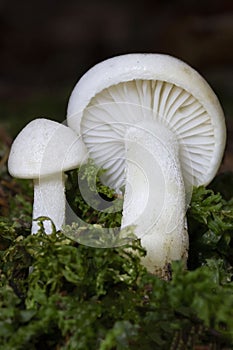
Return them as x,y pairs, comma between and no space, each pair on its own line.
49,201
155,195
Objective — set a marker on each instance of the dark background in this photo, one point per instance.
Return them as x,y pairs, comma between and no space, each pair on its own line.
45,47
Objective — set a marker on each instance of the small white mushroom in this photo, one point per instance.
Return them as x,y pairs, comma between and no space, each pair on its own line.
43,151
157,128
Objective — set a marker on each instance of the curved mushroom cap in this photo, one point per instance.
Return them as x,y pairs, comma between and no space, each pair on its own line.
44,147
125,90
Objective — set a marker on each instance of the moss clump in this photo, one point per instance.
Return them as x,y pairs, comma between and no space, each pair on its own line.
78,297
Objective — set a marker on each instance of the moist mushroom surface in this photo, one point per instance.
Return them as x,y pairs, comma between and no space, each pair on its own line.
43,151
157,128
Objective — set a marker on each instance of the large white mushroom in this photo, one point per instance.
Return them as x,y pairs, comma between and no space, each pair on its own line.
43,151
157,128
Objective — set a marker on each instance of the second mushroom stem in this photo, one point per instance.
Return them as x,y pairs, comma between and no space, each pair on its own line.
155,195
49,201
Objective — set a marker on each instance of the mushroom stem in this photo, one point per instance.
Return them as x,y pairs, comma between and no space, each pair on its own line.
155,195
49,201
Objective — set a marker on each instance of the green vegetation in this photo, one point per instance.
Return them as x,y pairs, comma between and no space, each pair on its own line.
79,297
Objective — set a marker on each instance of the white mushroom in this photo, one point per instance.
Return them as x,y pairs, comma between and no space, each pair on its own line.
42,151
157,127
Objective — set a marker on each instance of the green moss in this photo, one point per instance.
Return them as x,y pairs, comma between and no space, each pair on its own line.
78,297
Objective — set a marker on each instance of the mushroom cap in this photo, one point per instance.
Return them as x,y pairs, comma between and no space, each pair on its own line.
44,147
125,90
